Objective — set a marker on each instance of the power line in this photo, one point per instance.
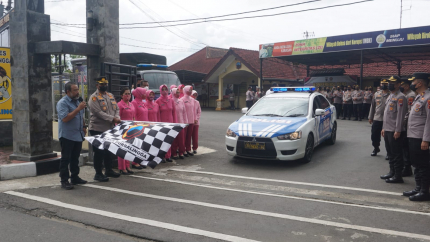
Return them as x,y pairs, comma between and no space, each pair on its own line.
251,17
225,15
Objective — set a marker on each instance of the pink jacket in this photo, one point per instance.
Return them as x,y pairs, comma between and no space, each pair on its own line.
167,108
189,104
153,109
180,108
126,111
181,87
171,93
139,105
198,109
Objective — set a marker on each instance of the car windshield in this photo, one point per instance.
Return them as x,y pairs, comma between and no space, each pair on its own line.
155,80
280,107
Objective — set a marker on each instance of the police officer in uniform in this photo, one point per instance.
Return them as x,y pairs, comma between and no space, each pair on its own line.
393,129
376,116
419,137
347,103
357,100
410,97
337,100
367,100
104,115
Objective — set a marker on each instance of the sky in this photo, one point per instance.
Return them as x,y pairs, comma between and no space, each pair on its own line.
247,33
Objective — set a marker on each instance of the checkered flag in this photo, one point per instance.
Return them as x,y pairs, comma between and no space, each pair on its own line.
142,142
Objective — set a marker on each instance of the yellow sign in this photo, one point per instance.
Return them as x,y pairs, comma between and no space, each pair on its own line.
5,85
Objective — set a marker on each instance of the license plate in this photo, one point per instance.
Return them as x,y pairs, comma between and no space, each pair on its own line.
255,146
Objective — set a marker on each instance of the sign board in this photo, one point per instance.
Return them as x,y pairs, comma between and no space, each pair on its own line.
5,85
370,40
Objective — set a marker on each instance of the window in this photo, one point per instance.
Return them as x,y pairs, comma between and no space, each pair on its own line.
323,103
284,107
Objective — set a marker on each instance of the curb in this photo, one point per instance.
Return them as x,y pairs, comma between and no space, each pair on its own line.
34,168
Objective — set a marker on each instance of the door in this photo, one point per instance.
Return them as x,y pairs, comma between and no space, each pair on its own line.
324,121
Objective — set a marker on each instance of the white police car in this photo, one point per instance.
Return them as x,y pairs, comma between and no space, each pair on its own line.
285,125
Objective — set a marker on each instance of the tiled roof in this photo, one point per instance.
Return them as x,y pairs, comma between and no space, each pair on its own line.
202,61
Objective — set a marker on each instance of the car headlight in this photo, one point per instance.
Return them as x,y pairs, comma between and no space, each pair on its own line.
230,133
291,136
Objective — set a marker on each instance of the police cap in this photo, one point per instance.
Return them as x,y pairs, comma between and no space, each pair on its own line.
394,79
384,80
420,75
405,81
102,80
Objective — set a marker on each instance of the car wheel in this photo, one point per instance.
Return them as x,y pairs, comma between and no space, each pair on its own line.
309,151
332,139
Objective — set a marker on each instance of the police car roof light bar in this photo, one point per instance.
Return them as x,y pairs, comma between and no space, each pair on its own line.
152,65
293,89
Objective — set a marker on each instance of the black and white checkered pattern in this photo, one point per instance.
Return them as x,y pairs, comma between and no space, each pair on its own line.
148,149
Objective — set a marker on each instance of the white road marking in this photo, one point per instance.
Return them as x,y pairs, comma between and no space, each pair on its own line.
149,222
284,196
269,214
204,150
290,182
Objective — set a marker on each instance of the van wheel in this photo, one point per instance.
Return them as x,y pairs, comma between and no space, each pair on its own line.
309,151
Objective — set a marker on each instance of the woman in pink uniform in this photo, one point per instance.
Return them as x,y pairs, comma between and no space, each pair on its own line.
181,115
126,112
190,109
181,90
195,135
171,92
152,107
141,113
167,111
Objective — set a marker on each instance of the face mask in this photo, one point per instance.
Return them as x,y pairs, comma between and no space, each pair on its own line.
126,98
338,89
413,87
384,87
349,89
402,89
103,88
357,88
391,87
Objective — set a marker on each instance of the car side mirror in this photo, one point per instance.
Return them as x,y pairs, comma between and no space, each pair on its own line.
319,112
244,110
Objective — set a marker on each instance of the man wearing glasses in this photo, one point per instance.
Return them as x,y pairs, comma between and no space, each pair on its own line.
104,114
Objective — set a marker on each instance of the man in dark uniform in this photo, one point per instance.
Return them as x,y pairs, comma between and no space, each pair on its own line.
376,116
410,97
419,137
393,129
104,115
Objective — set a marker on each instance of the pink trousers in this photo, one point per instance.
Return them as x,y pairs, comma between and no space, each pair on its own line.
196,137
178,143
188,137
123,164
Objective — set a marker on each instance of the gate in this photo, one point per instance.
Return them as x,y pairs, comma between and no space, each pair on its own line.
119,76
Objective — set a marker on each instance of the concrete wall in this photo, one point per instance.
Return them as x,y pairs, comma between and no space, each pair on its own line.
6,132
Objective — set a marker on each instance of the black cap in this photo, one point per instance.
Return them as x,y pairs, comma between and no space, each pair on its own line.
420,75
102,80
405,81
394,79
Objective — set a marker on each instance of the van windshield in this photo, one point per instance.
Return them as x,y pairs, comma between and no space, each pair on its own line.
155,80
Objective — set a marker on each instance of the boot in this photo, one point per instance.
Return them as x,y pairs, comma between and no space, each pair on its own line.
389,174
421,196
375,151
412,192
397,178
407,171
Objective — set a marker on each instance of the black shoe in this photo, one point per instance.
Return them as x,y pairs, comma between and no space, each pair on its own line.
412,192
186,155
163,161
421,196
169,160
375,152
349,118
130,172
388,175
138,167
175,157
78,181
66,185
194,151
181,157
113,174
395,179
101,178
387,158
407,171
190,154
124,173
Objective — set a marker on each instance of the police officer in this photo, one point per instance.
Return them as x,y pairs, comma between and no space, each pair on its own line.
337,100
357,100
376,116
104,115
410,97
329,94
419,137
393,129
347,103
367,101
